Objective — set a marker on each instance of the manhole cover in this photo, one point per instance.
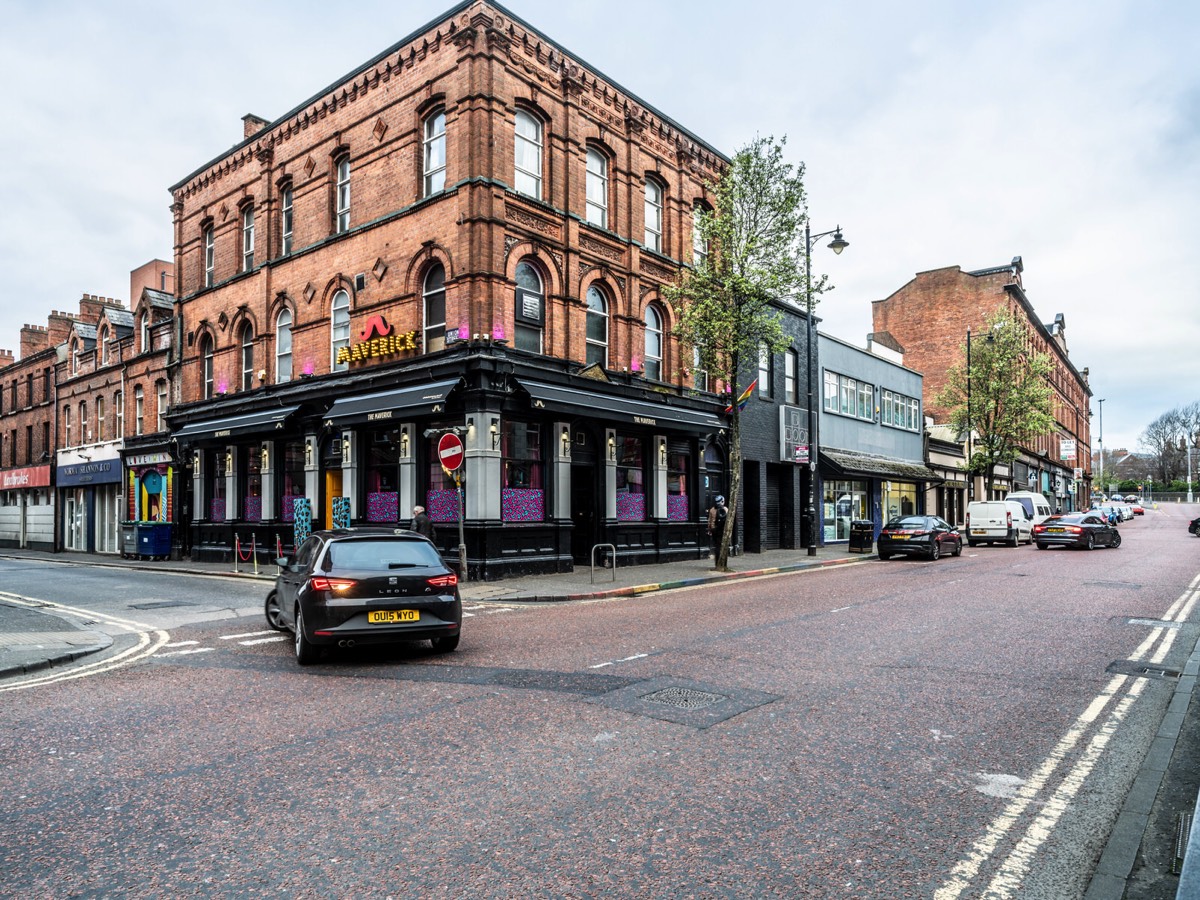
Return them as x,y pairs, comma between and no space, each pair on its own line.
1141,669
683,698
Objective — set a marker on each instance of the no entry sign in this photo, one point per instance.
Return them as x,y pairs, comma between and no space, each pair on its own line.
450,451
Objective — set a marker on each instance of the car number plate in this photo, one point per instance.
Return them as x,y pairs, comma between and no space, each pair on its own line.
392,616
978,531
899,537
1055,530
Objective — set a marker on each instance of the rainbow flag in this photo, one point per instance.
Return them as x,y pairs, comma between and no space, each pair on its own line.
742,400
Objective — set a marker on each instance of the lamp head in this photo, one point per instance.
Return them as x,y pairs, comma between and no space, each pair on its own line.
839,243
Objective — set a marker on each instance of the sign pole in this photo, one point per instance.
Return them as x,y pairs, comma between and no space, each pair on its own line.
462,538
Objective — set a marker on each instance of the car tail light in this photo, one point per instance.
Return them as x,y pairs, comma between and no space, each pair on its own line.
1074,529
324,583
1008,519
444,581
968,520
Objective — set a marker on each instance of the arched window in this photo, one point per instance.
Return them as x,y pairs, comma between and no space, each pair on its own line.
144,332
210,256
530,309
339,332
248,238
654,216
434,292
283,346
597,327
206,364
101,346
286,220
343,196
246,345
654,344
597,188
435,153
528,157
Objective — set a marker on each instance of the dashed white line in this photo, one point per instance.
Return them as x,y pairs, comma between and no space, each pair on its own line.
616,661
267,640
190,650
248,634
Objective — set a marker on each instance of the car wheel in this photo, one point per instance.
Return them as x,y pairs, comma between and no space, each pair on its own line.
971,544
273,612
957,548
1042,546
935,552
1012,541
883,555
1091,542
1116,539
445,644
306,651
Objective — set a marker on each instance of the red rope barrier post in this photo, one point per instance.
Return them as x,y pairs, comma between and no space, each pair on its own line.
254,553
237,552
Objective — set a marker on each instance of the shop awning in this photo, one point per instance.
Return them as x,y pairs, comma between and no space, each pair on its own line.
267,420
386,406
863,464
619,409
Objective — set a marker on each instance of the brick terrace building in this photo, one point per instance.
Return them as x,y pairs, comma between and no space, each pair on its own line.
470,231
929,318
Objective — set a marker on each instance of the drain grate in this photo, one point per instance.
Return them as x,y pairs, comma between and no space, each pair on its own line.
1141,670
684,698
160,604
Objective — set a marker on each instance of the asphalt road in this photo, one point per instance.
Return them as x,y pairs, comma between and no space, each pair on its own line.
888,730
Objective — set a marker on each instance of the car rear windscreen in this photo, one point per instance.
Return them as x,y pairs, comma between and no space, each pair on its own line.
380,555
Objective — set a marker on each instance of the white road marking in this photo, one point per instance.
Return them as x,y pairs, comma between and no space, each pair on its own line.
182,644
187,652
149,641
1006,883
234,637
267,640
616,661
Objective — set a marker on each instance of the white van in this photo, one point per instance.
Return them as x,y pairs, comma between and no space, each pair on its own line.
1037,507
989,521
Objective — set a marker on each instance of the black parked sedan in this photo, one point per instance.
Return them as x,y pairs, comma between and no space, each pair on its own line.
1079,529
919,535
365,586
1194,526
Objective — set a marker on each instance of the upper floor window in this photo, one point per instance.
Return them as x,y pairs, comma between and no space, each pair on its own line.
85,435
339,331
434,292
530,309
139,409
343,195
247,238
528,156
435,153
101,352
286,221
160,391
210,256
597,327
100,429
900,411
67,424
849,396
766,372
206,365
597,188
76,354
654,216
283,346
654,343
699,244
144,332
119,413
791,386
246,345
699,373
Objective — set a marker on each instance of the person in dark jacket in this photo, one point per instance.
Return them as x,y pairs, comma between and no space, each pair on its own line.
421,523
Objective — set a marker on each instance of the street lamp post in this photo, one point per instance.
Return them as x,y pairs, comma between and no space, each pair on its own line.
970,426
837,245
1101,443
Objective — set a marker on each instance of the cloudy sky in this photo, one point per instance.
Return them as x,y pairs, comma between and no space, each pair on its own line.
935,132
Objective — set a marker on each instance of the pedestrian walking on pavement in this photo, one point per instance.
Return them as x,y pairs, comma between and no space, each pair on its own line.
716,522
421,523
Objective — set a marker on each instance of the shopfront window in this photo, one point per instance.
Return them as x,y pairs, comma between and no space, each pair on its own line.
293,479
899,499
383,468
216,486
678,501
252,483
441,497
842,503
523,496
631,479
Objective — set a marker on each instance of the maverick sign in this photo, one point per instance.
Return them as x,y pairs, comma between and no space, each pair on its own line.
377,342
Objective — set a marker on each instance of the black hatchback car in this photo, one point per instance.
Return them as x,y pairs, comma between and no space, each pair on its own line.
365,586
1079,529
919,536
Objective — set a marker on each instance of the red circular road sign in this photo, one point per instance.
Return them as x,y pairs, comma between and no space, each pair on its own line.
450,451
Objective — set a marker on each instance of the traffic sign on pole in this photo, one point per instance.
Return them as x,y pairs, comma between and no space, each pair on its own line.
450,451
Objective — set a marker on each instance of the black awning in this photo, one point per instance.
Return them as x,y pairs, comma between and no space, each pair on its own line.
386,405
622,409
848,463
267,420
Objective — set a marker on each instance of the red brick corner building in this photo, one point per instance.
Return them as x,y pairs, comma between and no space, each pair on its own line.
929,318
469,232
